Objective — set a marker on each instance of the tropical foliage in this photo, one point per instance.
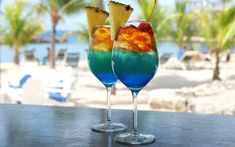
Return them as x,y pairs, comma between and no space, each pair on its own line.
182,23
56,9
216,26
20,28
219,32
82,32
159,20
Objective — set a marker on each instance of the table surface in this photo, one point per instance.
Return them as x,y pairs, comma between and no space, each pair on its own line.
41,126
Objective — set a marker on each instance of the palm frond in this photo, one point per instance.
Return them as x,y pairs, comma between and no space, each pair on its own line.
181,6
42,7
160,22
218,27
230,34
146,8
82,33
71,6
21,26
182,21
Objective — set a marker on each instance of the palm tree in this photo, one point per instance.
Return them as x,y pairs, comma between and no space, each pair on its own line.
101,4
56,9
21,27
219,32
83,30
183,25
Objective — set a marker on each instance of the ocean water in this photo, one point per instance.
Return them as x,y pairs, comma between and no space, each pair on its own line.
72,45
7,54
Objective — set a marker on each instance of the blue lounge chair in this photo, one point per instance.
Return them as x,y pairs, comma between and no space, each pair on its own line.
62,91
58,97
22,81
180,53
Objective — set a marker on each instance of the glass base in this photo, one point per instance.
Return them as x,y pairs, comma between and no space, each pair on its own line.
129,138
109,127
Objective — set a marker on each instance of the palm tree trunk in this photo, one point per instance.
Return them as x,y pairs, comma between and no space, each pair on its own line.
217,68
53,45
113,91
16,57
101,4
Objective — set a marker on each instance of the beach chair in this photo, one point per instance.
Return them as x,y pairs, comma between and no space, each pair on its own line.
41,88
60,96
14,91
36,91
72,59
22,81
62,91
165,57
190,58
61,55
30,57
181,53
174,63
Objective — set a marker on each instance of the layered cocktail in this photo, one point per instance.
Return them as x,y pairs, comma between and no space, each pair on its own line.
100,59
100,55
135,61
135,57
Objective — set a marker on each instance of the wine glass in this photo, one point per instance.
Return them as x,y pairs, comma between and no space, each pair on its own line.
99,59
135,61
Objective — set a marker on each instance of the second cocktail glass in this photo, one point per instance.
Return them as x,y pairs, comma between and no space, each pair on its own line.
135,61
99,59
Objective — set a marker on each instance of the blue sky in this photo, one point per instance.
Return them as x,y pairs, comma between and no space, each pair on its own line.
72,22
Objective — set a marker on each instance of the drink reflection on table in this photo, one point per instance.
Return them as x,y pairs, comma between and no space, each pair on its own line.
109,142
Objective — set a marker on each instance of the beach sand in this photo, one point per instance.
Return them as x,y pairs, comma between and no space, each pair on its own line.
89,92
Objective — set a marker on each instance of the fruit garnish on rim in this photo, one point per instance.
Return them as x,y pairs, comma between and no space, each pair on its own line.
119,14
101,40
95,16
146,27
138,39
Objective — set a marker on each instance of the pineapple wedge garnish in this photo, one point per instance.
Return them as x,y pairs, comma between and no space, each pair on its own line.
119,14
95,16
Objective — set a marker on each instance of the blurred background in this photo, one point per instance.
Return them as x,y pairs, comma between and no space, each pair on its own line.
44,43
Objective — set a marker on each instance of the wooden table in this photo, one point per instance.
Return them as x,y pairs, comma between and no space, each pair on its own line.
40,126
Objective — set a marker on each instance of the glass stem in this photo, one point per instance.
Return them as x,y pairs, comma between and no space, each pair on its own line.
135,114
108,90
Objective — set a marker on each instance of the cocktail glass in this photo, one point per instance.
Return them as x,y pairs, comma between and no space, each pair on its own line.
100,58
135,61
